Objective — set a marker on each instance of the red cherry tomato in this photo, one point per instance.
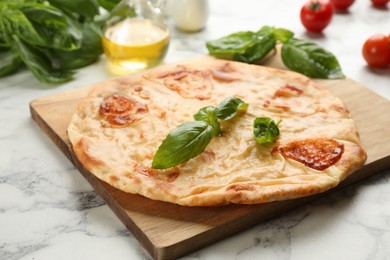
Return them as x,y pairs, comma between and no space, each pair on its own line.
379,2
316,15
342,5
376,50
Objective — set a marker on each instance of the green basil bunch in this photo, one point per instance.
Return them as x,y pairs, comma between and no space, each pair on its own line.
51,38
191,138
298,55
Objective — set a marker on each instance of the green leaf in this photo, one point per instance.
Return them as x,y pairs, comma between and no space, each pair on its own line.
249,47
264,44
209,115
10,62
49,36
55,29
183,143
265,130
89,51
233,43
21,1
230,107
14,22
190,139
87,8
38,24
121,11
108,4
39,64
310,59
282,35
4,45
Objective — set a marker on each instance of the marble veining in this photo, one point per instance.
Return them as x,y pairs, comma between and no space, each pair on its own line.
49,211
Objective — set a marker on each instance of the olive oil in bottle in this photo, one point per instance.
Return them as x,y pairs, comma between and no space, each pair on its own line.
134,44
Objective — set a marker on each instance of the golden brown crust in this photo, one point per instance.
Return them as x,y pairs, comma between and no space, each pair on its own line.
81,149
233,168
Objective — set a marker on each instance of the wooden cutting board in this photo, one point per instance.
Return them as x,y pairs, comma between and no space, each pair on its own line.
168,231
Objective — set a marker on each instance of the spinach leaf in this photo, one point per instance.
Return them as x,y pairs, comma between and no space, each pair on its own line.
39,64
229,108
265,130
209,115
88,52
310,59
183,143
9,62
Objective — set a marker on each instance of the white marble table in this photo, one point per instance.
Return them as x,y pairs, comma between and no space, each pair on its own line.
48,211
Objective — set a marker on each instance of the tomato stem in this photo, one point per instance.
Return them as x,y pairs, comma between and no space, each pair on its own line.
315,5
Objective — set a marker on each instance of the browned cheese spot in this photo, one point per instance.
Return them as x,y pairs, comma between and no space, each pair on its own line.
223,73
120,111
169,175
242,187
316,153
286,91
189,83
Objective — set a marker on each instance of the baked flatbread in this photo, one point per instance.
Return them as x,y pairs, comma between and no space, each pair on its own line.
120,124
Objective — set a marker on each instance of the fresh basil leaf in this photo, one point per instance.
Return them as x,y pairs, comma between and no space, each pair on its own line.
249,47
89,51
265,130
233,43
230,107
14,22
209,115
108,4
190,139
49,36
55,29
9,62
265,30
264,44
86,8
38,24
21,1
282,35
183,143
39,64
310,59
4,45
121,11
